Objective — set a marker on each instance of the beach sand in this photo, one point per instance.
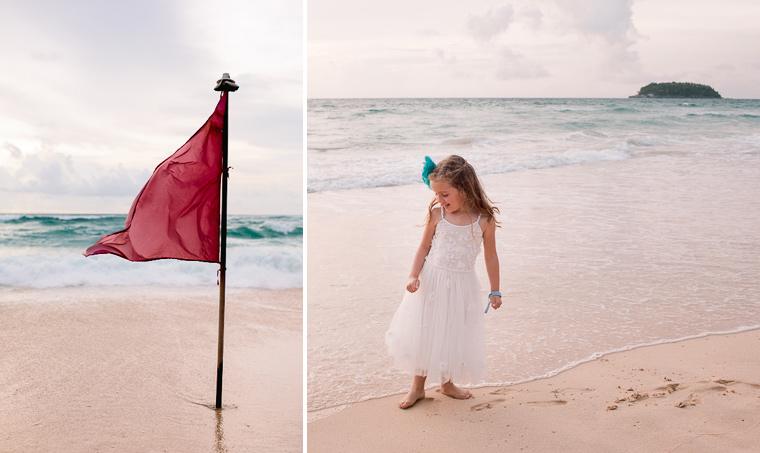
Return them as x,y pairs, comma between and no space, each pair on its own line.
134,369
698,395
594,259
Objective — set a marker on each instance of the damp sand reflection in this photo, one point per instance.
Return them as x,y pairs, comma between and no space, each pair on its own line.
133,369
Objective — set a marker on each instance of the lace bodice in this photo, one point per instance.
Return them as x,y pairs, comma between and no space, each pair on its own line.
455,247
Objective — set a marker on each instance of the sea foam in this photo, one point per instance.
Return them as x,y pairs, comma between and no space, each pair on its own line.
247,267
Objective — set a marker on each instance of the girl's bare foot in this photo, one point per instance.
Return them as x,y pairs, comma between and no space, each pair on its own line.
453,391
412,397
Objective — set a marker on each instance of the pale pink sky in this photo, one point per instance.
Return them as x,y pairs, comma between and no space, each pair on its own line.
542,48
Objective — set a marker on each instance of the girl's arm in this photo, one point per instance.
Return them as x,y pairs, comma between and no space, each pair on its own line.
492,259
419,258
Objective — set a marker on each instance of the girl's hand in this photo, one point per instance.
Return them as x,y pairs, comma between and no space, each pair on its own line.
495,301
413,284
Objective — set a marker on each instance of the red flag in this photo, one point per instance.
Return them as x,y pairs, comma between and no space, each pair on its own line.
176,214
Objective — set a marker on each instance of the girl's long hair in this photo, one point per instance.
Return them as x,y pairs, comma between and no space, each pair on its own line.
460,174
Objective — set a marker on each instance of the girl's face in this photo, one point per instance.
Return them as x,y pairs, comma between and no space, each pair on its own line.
447,195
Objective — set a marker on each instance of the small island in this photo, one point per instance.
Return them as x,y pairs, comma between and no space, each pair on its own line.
677,90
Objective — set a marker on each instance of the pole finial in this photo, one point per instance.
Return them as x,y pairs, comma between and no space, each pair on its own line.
226,83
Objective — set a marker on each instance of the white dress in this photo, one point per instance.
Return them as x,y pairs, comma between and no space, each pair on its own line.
439,330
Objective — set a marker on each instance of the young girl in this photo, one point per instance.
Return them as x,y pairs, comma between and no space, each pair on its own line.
439,327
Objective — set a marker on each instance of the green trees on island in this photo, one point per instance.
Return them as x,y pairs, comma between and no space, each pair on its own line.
677,90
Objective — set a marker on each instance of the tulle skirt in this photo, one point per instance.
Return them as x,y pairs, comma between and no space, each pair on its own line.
439,330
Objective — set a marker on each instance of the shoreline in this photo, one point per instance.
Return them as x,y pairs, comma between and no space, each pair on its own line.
698,394
595,259
320,414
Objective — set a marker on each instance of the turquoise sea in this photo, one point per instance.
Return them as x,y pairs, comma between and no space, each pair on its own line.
44,251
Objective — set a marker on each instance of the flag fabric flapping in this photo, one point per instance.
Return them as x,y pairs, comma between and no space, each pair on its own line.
176,215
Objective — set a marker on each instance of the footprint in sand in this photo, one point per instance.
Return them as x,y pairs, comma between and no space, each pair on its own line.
728,382
548,403
699,392
670,388
488,405
501,391
633,398
572,390
690,401
703,387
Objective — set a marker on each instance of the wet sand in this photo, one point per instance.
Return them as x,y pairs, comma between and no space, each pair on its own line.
699,395
134,369
594,259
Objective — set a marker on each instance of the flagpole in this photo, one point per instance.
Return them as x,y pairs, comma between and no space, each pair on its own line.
225,84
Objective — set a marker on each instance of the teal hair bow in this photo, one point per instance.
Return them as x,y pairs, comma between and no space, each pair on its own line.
427,169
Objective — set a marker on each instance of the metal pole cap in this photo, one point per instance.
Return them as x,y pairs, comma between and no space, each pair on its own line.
226,83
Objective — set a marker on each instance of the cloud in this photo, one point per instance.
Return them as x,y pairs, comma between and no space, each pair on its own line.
530,14
491,23
56,173
13,150
445,57
622,61
97,93
506,63
609,25
610,20
512,65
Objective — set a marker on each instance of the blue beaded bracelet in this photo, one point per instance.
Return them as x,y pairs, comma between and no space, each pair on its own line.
493,293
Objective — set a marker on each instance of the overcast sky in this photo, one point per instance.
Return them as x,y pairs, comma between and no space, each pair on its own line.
95,94
541,48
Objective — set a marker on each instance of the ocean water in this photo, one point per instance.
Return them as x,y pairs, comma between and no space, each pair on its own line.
625,222
88,340
356,143
46,251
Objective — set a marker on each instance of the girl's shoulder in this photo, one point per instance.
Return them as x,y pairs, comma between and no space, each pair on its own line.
435,216
487,222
